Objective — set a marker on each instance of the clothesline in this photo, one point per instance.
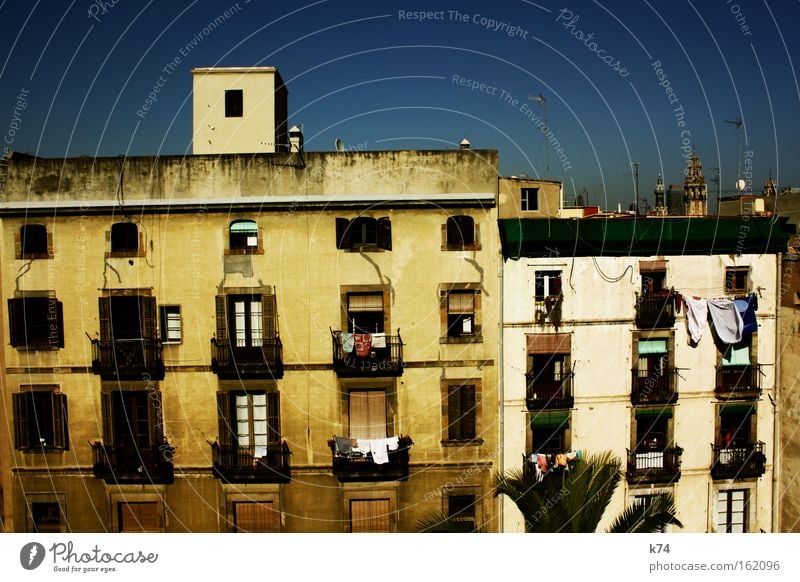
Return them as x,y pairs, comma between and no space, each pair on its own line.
731,318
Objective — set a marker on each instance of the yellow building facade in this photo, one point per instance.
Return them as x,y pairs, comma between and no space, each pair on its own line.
301,342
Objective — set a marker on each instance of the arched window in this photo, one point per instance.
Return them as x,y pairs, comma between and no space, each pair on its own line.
33,239
124,237
243,235
460,231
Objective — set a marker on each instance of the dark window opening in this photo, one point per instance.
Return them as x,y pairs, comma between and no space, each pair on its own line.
461,508
460,231
234,103
365,313
461,413
132,418
547,284
548,367
36,322
461,313
33,239
651,433
736,279
653,282
734,429
529,198
364,231
40,420
124,237
46,517
243,235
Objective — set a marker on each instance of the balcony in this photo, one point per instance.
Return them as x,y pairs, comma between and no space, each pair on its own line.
746,461
548,309
383,358
119,464
229,361
548,394
128,359
655,311
654,466
269,464
654,388
738,382
351,465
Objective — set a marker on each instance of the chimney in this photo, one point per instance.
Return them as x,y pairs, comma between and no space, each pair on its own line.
296,138
464,144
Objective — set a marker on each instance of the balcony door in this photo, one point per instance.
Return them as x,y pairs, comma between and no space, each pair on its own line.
249,420
127,318
132,419
367,411
365,312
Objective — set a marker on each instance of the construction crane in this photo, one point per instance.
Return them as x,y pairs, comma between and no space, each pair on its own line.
540,99
738,125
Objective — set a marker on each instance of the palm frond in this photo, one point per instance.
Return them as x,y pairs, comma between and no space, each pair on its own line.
440,522
647,517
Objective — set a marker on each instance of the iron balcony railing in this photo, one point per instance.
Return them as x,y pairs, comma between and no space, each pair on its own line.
738,381
128,359
550,393
268,464
121,464
654,388
262,361
384,360
746,461
348,466
655,311
654,466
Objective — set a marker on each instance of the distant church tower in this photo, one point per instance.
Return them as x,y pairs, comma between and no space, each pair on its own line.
695,191
660,206
769,187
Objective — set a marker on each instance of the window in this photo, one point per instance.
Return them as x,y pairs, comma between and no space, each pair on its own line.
529,199
547,369
124,318
367,414
461,509
370,516
549,432
652,427
737,354
255,517
33,242
133,424
36,323
732,509
460,232
234,103
365,313
653,282
362,232
461,313
46,516
461,412
249,320
547,284
40,421
653,360
737,279
735,425
249,420
243,236
124,237
170,319
138,517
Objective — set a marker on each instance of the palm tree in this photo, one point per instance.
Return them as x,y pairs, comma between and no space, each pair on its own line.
574,501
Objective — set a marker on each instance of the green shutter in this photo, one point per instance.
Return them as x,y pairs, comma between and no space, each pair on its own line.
558,419
737,354
652,346
738,408
665,412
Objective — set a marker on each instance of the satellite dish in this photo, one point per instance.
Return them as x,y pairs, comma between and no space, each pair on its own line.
339,145
740,184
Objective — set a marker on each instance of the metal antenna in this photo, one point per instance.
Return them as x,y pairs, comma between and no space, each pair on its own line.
540,99
738,125
635,174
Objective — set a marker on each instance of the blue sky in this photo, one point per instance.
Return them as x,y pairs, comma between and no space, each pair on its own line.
378,76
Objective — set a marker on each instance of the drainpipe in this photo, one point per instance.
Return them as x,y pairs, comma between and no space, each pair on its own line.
776,437
501,390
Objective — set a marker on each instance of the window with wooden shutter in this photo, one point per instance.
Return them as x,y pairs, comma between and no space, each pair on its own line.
46,517
269,311
461,413
460,232
367,412
342,233
384,235
461,313
370,516
256,517
138,517
33,241
222,327
249,419
124,237
40,420
36,323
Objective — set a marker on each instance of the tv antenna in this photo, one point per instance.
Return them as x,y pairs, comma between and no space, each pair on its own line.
737,123
541,100
635,175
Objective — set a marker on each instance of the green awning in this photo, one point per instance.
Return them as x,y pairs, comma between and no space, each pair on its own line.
643,236
737,354
558,419
738,408
663,412
244,226
652,346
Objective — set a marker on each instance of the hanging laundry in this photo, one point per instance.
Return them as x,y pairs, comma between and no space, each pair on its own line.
727,320
541,462
394,443
347,342
561,460
747,310
696,316
678,302
378,340
380,455
363,344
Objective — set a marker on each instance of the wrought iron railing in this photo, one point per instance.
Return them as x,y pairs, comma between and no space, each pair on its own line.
738,381
267,464
655,311
353,466
130,359
744,461
654,466
654,388
384,360
131,464
549,393
231,361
